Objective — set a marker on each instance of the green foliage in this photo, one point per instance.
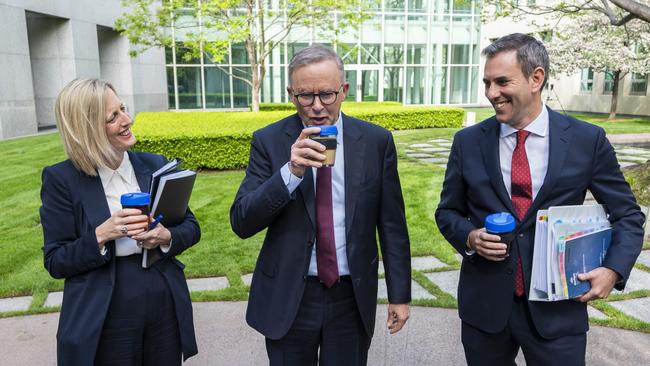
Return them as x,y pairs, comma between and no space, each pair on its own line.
221,140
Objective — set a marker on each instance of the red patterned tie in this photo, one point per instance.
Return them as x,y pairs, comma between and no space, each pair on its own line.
328,271
522,194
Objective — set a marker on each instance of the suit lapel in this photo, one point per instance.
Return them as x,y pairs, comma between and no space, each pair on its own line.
490,151
353,157
93,199
142,171
559,137
306,187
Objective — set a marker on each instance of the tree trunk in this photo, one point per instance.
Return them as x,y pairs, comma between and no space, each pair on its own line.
612,109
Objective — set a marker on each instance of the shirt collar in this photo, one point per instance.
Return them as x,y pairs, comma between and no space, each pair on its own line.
125,171
538,127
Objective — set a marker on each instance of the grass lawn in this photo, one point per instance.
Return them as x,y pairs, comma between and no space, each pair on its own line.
221,252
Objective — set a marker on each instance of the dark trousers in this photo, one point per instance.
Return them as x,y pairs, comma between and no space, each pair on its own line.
327,319
500,349
141,326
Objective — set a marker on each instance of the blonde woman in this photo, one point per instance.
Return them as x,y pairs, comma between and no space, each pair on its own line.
114,311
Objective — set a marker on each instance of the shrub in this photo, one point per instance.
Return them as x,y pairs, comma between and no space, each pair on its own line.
221,140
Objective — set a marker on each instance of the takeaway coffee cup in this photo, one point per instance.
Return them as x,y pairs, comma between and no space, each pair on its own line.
137,200
327,137
502,224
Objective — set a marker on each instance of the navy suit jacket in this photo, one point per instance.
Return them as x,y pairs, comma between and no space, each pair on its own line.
373,204
580,159
73,205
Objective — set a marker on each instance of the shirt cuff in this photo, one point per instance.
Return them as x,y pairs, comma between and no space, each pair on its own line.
290,181
103,251
166,248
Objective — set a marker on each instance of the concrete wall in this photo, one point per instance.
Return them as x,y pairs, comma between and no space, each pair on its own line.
46,43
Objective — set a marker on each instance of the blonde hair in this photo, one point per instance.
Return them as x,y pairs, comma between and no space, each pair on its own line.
80,111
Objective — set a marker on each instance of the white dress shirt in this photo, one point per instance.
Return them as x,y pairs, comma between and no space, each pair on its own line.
115,183
338,203
537,150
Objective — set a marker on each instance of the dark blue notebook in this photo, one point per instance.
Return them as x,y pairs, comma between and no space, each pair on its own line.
582,254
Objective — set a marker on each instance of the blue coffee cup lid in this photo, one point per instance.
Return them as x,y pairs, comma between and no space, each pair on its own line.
328,130
501,222
135,199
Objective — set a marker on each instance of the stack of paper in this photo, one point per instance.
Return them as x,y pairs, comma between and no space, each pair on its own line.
568,240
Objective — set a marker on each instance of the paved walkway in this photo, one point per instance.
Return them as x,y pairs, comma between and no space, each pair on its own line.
431,337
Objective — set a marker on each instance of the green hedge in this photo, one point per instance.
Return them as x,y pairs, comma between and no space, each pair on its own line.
221,140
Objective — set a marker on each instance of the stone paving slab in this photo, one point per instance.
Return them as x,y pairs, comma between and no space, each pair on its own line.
595,313
632,151
433,160
419,155
209,284
632,158
447,281
439,140
644,258
419,264
417,292
625,164
443,166
445,154
639,280
638,308
21,303
53,299
445,144
434,149
247,278
421,145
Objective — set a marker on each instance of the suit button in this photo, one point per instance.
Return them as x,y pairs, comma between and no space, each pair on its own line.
509,271
521,235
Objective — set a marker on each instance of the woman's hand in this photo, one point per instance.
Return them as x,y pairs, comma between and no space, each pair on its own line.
125,222
158,236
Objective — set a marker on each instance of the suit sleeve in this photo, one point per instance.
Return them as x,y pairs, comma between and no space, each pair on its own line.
261,196
609,187
452,213
393,232
67,251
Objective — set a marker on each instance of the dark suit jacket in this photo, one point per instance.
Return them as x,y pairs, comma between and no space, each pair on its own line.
580,159
74,204
373,204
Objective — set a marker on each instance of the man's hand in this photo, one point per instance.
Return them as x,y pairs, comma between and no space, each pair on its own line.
398,314
306,152
486,245
602,282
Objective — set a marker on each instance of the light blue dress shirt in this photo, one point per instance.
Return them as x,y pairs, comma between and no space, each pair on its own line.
338,203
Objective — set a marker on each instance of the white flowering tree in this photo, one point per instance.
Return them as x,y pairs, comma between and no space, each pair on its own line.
590,41
207,28
617,12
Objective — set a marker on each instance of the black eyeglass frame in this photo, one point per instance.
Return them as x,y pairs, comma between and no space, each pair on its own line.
319,95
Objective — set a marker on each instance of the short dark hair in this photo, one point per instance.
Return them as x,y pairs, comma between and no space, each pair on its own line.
312,55
531,53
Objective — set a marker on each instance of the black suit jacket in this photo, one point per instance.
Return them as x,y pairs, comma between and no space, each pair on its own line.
73,205
580,159
373,205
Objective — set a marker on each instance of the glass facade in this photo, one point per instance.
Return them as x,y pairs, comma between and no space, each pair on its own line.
409,51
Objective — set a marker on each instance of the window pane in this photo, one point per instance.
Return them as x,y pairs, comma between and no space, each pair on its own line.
184,55
393,54
239,55
348,52
462,6
416,54
370,53
393,83
417,6
217,88
189,87
586,80
395,5
171,94
241,90
370,85
415,85
639,84
608,85
351,78
293,48
169,59
460,54
439,85
459,75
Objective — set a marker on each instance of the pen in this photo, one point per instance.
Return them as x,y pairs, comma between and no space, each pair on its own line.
155,222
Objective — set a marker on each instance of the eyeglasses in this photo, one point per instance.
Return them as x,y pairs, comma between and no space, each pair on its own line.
326,98
124,108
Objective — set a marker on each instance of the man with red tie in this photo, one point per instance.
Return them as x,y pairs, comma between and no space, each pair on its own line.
526,158
314,290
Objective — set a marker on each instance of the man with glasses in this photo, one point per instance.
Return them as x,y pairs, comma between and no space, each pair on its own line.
314,290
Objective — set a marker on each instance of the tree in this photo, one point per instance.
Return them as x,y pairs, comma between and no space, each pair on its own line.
207,28
619,14
590,41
